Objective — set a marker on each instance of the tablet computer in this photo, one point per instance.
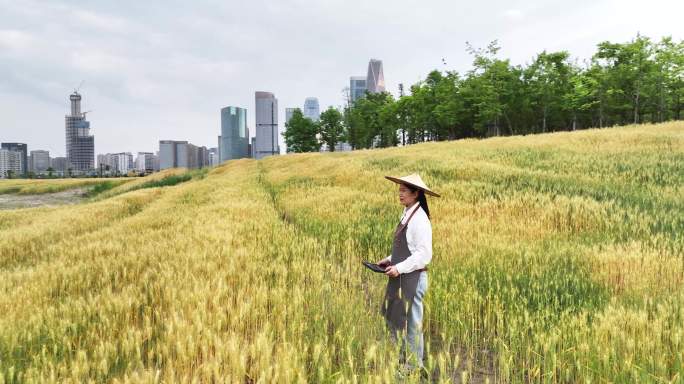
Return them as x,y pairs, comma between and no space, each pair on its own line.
373,267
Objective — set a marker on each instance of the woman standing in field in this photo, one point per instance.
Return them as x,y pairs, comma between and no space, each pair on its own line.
407,269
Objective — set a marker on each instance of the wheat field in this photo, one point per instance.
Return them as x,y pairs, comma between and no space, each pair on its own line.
42,186
557,258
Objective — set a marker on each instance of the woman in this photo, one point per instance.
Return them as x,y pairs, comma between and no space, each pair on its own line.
407,268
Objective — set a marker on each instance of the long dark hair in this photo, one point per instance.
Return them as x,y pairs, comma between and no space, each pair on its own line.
421,198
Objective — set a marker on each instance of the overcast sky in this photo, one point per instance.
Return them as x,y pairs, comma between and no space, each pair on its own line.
162,70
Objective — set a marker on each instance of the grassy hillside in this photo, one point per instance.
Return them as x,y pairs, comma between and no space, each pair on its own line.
41,186
557,258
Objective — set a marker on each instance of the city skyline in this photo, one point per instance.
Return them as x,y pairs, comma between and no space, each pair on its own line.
152,71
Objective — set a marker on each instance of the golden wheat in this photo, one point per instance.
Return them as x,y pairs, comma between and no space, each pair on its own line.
557,258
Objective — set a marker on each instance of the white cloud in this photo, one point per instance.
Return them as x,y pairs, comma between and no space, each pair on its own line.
514,14
100,21
15,40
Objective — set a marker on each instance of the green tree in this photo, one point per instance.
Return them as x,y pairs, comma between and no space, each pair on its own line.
374,121
548,82
331,127
300,134
491,88
439,108
581,98
627,71
389,125
623,83
352,122
669,78
407,120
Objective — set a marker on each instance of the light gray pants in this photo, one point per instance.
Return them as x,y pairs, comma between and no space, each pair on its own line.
414,332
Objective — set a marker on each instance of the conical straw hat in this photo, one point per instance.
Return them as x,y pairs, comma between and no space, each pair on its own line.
414,180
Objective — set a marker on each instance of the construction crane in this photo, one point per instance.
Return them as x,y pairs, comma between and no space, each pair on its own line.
84,113
79,86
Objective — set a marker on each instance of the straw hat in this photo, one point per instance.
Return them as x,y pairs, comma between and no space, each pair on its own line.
414,180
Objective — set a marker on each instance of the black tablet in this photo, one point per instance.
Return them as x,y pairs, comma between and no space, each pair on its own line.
373,267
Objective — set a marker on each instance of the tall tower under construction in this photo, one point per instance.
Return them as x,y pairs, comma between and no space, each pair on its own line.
80,144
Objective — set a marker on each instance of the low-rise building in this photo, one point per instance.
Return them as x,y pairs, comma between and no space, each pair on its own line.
40,161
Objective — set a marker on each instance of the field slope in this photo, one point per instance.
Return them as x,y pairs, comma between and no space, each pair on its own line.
557,258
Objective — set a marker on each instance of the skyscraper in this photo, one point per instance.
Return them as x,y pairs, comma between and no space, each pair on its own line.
311,109
234,139
23,150
288,114
266,125
375,80
357,87
80,144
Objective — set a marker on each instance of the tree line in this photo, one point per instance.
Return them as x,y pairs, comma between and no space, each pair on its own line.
640,81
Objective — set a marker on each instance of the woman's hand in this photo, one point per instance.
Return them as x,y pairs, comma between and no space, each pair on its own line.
383,263
391,271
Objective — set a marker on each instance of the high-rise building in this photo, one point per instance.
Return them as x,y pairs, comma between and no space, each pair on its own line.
168,153
23,150
288,114
10,163
59,164
80,144
104,162
202,156
155,162
124,162
181,154
267,135
116,163
234,139
215,157
357,87
144,162
40,161
311,109
375,80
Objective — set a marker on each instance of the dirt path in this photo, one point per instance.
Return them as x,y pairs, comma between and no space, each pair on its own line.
13,201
